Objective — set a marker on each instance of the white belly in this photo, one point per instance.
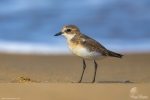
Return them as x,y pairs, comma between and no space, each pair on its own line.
85,53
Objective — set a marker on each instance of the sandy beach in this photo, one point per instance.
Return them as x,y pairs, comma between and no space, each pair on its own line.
46,77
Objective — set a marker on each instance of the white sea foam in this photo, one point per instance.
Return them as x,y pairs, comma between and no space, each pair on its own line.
31,48
44,49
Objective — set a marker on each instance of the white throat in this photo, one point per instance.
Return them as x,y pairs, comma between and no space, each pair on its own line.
68,36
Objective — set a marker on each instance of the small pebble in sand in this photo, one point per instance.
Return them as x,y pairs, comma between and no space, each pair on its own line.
126,81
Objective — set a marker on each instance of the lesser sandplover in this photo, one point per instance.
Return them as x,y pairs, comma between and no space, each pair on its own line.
85,47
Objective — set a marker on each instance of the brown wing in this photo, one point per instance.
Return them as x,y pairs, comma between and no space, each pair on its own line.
93,45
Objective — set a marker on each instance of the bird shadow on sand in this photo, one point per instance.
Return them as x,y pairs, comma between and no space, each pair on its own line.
125,81
81,82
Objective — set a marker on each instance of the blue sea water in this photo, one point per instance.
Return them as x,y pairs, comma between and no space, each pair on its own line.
28,26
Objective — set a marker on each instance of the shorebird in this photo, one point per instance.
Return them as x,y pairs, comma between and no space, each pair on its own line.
85,47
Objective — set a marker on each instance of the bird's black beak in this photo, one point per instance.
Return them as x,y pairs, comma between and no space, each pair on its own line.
58,34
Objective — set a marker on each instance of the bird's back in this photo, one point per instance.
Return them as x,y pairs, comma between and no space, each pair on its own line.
93,46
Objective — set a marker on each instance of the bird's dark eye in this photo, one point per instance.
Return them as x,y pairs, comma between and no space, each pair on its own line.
68,30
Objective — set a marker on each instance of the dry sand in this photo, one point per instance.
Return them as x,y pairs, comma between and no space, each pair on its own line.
37,77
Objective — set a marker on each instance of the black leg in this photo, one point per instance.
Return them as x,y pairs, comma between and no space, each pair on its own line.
84,66
95,65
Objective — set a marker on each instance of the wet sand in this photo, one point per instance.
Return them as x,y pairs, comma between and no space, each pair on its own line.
28,77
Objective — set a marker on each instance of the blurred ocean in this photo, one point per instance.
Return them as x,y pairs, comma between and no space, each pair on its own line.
28,26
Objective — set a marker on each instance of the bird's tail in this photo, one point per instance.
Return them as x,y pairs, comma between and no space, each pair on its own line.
113,54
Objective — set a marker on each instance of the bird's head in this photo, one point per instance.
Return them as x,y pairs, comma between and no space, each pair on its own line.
69,31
